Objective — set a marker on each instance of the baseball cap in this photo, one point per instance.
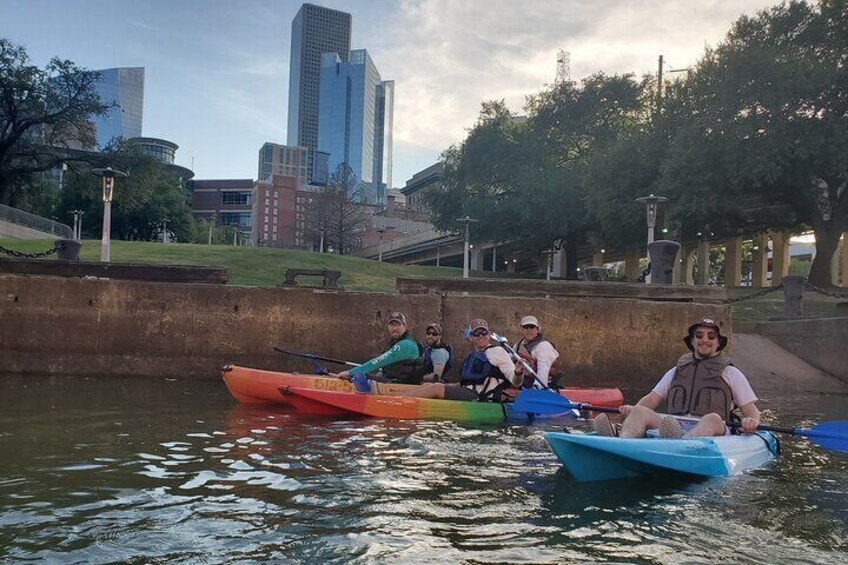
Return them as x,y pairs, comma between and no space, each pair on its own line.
530,321
478,323
435,326
396,317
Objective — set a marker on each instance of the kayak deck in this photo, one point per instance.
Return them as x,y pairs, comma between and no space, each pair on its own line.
589,457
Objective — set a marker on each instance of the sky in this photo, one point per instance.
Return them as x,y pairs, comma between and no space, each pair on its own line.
217,71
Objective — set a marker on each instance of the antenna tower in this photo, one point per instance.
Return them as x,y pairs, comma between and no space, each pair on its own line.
563,72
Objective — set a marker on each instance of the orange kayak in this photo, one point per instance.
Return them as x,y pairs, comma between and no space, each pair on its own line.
256,386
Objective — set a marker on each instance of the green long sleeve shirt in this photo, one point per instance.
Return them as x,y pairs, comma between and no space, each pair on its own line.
405,349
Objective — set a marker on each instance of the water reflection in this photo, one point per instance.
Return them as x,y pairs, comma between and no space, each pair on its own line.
104,471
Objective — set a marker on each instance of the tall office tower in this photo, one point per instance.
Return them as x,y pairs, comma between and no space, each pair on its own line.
307,165
123,89
315,30
355,121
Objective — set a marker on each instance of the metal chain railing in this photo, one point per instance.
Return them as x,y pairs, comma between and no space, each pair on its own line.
36,255
831,293
763,292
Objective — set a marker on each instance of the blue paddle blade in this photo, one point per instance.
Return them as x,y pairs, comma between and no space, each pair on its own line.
829,435
539,401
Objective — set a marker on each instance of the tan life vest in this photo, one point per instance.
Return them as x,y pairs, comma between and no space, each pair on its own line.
698,389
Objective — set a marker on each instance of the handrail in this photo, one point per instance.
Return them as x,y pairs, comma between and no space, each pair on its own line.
34,222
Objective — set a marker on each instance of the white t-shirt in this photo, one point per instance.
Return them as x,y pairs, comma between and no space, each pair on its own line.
739,387
544,354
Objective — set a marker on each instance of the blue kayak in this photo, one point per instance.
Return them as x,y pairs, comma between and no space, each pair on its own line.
590,457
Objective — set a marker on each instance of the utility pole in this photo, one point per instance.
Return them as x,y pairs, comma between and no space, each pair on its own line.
465,259
659,86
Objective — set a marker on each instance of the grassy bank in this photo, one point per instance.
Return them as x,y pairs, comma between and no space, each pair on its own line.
249,266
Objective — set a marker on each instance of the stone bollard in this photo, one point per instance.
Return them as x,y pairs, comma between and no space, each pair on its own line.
595,274
793,296
663,257
69,249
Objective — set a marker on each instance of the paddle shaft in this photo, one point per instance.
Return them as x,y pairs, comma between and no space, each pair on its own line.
318,357
516,357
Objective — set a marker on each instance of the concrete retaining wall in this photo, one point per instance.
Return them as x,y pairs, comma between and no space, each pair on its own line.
821,343
102,327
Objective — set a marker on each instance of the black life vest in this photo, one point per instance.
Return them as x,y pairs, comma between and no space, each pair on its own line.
477,370
407,371
698,388
525,351
428,359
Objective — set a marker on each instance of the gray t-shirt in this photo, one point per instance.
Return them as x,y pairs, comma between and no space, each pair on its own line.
439,356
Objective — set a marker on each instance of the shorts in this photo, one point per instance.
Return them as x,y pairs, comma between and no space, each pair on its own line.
454,392
688,422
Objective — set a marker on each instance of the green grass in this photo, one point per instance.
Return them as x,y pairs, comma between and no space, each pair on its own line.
250,266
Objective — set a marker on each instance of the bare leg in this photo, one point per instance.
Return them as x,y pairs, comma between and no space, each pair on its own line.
430,390
638,421
710,425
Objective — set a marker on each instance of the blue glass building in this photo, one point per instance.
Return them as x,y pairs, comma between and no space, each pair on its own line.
315,30
123,88
355,118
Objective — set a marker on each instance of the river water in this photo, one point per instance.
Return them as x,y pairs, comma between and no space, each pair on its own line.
174,471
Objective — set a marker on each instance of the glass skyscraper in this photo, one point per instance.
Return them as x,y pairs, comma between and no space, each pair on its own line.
315,30
355,120
123,88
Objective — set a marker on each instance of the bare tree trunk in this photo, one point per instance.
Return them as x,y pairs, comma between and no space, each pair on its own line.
827,241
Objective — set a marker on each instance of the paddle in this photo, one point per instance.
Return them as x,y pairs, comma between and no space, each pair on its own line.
314,357
516,358
829,435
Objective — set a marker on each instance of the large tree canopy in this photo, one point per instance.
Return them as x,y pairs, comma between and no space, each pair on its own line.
150,194
44,115
769,118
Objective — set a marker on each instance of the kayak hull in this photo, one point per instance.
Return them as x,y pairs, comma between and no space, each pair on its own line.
412,408
257,386
589,457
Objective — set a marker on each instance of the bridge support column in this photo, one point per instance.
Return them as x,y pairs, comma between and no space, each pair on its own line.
598,259
779,257
631,265
733,261
759,267
475,264
839,265
703,277
684,274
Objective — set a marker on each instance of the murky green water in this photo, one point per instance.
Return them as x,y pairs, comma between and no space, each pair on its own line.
166,471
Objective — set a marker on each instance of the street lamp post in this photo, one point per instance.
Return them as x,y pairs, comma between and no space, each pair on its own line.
651,203
77,223
212,219
465,259
381,231
108,175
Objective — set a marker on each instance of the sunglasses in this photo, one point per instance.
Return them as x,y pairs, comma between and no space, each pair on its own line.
431,333
708,335
529,327
480,333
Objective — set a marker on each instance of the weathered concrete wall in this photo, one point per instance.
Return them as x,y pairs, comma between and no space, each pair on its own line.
100,327
821,343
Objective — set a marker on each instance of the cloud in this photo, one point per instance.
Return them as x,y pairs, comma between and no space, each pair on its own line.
447,57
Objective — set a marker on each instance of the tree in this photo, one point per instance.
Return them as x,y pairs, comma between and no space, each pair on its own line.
337,214
152,192
44,117
770,119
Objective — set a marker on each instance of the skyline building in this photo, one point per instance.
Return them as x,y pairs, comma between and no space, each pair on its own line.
315,30
356,110
123,88
307,165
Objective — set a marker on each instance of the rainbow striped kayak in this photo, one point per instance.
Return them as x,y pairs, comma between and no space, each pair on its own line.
590,457
256,386
411,408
